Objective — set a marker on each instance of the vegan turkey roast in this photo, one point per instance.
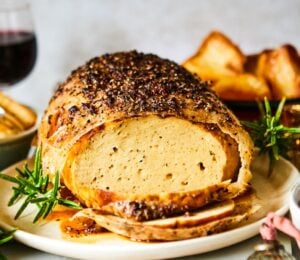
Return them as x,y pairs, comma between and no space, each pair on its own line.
141,138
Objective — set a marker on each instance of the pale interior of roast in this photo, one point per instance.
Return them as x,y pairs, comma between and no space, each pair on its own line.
150,155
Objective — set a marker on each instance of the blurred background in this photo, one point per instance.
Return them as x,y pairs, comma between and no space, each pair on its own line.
70,32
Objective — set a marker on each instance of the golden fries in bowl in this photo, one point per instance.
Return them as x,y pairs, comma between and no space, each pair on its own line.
18,125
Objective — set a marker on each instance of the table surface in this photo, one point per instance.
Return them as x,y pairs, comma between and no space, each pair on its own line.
17,251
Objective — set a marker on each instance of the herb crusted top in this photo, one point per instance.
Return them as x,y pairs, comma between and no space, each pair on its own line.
126,84
137,82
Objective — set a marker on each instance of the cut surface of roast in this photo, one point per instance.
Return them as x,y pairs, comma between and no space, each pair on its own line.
152,155
142,138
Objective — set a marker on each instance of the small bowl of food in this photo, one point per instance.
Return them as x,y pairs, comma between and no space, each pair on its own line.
18,125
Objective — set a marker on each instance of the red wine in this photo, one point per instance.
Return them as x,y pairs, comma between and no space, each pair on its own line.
18,51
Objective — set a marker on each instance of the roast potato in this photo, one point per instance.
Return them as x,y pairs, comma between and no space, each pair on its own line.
241,87
216,57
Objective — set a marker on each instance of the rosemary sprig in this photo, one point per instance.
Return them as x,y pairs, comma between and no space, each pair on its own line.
269,135
36,188
6,236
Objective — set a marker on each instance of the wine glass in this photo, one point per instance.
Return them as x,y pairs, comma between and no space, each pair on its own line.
18,45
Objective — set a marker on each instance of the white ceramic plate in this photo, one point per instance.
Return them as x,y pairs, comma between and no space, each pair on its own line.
46,236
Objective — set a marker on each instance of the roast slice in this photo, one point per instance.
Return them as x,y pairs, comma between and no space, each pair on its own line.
219,217
143,232
213,212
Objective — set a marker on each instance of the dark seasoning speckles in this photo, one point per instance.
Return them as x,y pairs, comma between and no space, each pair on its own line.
136,83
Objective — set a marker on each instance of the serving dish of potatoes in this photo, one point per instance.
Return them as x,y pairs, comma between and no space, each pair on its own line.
235,76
